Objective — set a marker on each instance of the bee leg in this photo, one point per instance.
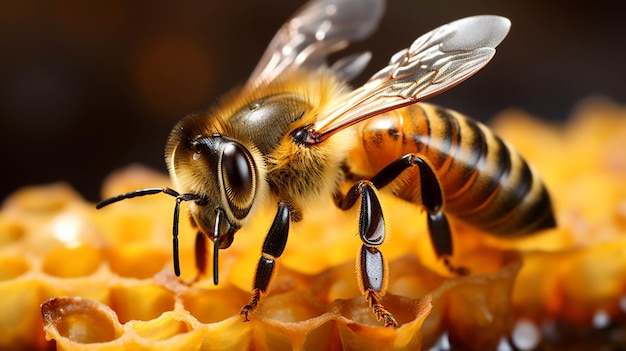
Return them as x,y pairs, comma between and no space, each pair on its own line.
432,200
371,267
200,255
373,275
441,237
273,248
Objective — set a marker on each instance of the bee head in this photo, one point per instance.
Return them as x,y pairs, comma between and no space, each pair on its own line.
216,176
224,174
218,169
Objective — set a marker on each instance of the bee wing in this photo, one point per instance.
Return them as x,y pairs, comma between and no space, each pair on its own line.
319,28
435,62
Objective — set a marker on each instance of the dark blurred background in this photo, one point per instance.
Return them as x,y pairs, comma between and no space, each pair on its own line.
87,87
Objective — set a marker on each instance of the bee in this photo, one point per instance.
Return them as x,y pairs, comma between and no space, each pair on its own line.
296,132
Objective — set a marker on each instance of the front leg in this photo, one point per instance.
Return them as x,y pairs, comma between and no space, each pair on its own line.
372,273
273,248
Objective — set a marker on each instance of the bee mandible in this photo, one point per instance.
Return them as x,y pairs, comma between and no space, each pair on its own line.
296,131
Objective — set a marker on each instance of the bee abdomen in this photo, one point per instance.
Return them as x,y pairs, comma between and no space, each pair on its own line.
486,183
503,195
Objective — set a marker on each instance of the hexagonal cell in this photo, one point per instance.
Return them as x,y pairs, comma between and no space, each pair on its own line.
214,305
12,266
140,302
124,224
136,260
78,320
168,325
72,262
294,320
10,231
595,278
291,307
358,329
409,277
338,282
475,311
41,200
357,336
358,311
20,322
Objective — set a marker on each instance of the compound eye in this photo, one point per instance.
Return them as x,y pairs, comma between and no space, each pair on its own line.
238,178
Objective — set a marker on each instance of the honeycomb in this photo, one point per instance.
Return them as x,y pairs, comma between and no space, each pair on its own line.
73,278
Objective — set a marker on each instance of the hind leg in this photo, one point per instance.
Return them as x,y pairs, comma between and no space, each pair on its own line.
432,200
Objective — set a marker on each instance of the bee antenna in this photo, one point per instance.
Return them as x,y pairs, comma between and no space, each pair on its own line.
216,237
135,193
179,198
151,191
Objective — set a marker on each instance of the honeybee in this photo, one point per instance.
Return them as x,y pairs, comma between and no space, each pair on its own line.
296,131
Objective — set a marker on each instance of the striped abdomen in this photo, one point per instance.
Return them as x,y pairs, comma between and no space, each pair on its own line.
485,182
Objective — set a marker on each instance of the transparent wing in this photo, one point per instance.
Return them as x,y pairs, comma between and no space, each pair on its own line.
319,28
435,62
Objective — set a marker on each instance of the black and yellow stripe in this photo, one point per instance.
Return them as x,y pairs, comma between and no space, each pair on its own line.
486,183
